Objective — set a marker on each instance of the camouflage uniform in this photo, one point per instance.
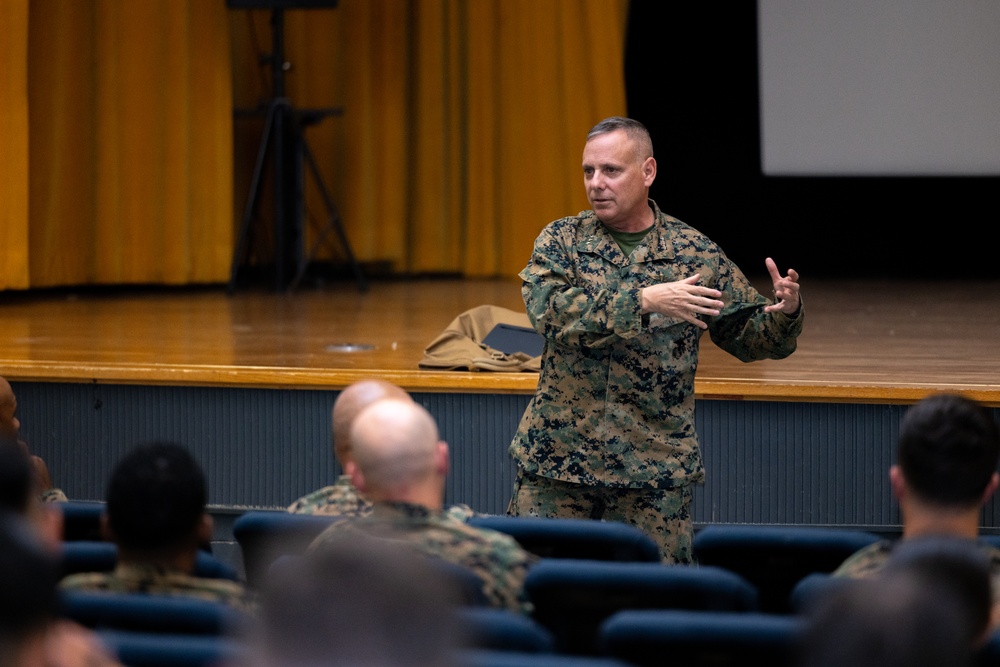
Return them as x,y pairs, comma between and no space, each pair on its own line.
871,559
340,499
614,407
157,580
343,499
495,557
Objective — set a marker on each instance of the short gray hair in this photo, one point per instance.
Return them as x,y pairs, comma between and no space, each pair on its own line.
634,130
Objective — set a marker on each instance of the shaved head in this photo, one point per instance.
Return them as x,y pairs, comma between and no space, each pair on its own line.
350,402
395,446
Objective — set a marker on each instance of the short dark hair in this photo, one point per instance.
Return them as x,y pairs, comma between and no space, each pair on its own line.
16,476
156,497
633,129
948,449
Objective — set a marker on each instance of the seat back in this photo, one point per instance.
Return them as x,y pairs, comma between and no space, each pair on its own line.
701,638
142,612
266,535
97,556
573,597
775,558
502,629
813,586
148,649
81,520
575,538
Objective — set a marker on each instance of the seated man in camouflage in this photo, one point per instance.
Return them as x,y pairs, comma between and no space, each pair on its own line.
401,464
945,471
156,515
342,498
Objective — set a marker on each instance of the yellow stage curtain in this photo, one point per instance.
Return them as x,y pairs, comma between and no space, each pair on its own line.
461,135
130,112
14,144
463,120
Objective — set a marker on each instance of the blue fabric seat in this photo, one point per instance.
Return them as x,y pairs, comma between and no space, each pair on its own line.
696,638
575,538
573,597
502,629
775,558
266,535
141,612
145,649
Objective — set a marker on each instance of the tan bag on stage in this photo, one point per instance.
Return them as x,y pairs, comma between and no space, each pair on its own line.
468,343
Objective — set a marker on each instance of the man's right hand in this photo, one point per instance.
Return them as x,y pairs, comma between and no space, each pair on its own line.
684,299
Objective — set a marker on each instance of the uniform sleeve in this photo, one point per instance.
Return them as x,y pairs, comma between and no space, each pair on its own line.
743,329
573,303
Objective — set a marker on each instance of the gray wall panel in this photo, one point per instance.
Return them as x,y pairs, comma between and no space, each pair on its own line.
767,462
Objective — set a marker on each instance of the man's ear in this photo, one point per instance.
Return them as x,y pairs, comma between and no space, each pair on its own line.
649,171
357,478
442,464
991,487
897,482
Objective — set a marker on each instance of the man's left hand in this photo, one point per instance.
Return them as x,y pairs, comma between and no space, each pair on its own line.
786,290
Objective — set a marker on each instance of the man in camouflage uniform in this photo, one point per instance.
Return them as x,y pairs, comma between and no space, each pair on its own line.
945,471
156,516
622,294
341,498
401,465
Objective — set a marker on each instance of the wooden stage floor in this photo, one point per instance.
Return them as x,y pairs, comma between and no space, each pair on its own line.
864,341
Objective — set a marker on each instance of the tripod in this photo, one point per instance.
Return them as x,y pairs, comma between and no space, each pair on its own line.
283,135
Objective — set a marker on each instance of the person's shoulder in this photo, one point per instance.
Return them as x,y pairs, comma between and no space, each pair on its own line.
335,500
494,541
88,581
866,560
584,220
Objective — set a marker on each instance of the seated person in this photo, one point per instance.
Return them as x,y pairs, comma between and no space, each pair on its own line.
929,606
31,633
10,426
355,602
155,514
945,471
342,498
401,466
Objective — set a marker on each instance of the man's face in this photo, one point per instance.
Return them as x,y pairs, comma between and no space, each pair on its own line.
9,424
617,180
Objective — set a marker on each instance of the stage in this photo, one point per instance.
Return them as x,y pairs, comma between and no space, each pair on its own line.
863,341
246,379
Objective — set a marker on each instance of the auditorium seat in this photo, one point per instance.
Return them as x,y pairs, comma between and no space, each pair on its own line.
266,535
575,538
775,558
808,589
502,629
573,597
148,649
142,612
81,520
499,658
97,556
697,638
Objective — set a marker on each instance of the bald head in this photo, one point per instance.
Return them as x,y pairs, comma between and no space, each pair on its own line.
350,402
396,447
